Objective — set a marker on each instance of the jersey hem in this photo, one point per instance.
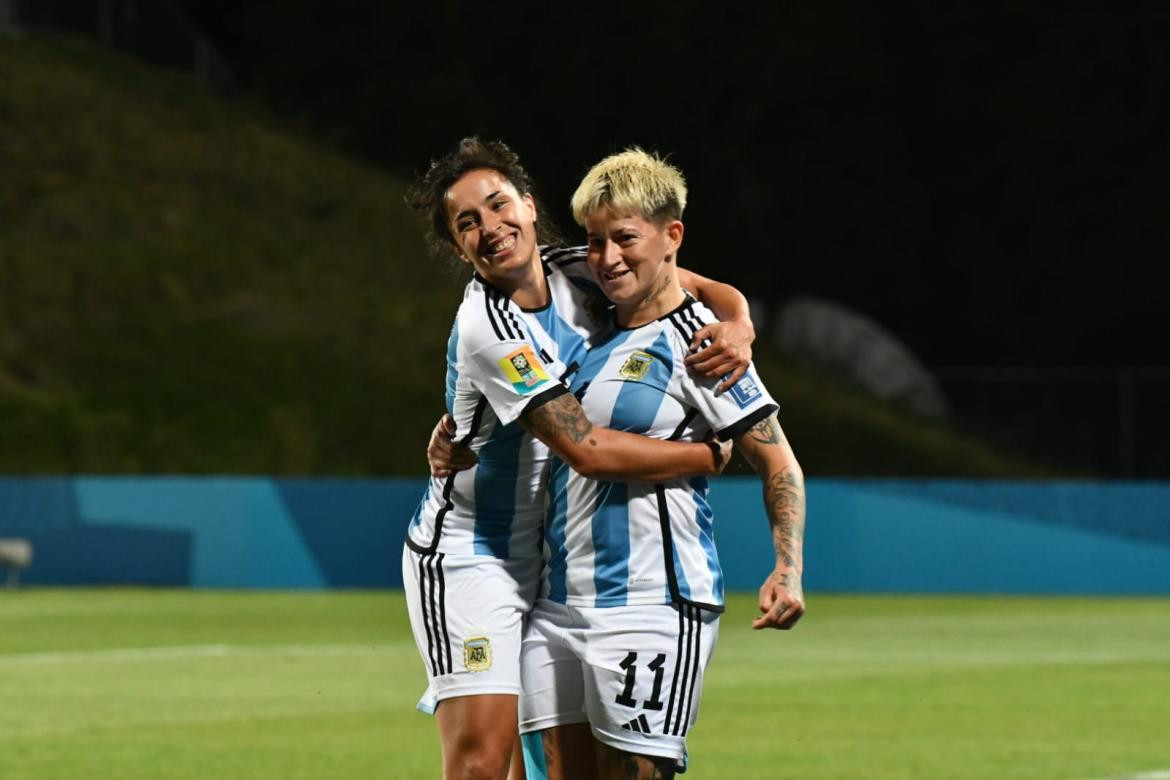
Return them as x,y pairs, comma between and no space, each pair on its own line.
635,602
652,745
554,392
735,429
551,721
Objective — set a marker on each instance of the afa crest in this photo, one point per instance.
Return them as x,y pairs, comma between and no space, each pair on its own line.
636,366
477,654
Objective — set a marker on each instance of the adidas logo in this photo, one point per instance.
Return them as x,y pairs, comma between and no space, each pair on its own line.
638,724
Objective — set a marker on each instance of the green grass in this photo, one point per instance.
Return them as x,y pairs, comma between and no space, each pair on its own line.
194,684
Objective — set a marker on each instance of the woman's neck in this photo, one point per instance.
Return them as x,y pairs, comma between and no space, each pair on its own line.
665,296
528,288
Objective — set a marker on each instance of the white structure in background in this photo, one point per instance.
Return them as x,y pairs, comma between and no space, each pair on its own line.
854,348
15,554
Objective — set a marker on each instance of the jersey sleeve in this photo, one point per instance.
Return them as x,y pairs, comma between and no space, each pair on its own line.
732,412
512,377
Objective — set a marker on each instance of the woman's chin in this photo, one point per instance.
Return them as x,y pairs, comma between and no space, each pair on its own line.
619,294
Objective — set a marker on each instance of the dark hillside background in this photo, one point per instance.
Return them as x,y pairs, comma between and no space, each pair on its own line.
987,182
186,286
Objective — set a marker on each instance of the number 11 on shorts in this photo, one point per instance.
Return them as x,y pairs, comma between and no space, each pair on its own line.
629,664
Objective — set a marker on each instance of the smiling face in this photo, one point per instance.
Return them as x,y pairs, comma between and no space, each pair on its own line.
492,225
633,260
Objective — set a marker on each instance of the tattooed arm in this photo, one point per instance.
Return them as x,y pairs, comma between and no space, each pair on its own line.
601,453
781,596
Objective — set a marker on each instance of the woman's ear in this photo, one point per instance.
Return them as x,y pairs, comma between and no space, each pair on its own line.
674,235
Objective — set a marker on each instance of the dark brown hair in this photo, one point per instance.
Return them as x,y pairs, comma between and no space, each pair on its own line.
429,190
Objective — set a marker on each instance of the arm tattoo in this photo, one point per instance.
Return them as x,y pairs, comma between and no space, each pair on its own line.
560,415
784,500
767,431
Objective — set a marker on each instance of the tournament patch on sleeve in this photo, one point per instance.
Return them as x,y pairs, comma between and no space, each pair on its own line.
745,391
523,370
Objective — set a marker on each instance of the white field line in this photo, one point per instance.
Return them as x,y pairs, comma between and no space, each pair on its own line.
166,652
1157,774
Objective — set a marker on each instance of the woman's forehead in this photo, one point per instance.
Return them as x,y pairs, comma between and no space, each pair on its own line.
479,183
610,215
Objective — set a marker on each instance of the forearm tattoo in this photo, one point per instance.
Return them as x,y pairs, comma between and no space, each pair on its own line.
784,500
767,431
562,415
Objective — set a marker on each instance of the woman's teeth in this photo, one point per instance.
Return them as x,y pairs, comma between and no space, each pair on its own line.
504,246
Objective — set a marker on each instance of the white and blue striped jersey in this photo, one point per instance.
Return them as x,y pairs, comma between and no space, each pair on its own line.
501,360
612,544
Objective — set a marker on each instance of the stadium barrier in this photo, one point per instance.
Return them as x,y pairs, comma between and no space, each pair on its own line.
880,535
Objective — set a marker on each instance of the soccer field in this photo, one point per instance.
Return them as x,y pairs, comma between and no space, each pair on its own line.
196,684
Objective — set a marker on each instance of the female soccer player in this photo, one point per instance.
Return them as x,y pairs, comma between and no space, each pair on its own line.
614,653
473,551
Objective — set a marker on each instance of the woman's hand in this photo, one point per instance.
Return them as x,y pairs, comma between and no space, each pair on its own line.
727,356
443,454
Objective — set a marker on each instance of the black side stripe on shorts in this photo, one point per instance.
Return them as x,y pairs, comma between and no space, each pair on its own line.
430,575
422,599
686,665
698,624
443,614
680,694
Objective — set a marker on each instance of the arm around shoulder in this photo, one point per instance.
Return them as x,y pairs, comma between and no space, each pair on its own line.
602,453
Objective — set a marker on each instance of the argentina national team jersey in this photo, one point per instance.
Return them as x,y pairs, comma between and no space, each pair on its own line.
614,544
500,360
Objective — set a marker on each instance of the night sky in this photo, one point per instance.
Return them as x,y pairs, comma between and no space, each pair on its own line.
988,181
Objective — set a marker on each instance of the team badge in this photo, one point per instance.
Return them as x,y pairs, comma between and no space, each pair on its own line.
523,370
745,391
636,366
477,654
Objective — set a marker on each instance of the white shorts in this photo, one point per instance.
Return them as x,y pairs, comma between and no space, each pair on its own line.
467,614
634,673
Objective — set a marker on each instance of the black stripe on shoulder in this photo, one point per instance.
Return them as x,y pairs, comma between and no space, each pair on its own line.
694,320
693,316
515,321
487,302
554,392
686,325
737,429
508,319
681,326
563,255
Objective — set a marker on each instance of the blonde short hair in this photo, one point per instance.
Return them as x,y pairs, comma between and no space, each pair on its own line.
634,182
